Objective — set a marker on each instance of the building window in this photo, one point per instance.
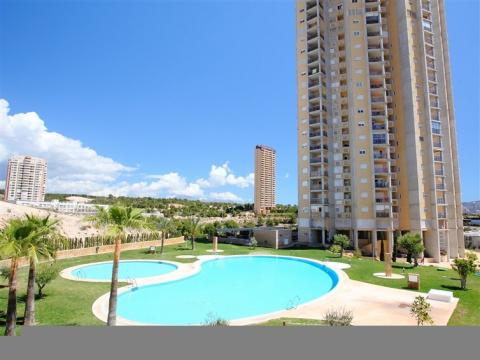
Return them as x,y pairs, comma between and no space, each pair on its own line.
359,84
360,111
363,152
356,33
361,123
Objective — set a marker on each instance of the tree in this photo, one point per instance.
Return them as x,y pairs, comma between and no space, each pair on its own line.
412,245
117,221
193,229
46,273
165,226
253,243
465,267
420,309
341,240
13,238
41,245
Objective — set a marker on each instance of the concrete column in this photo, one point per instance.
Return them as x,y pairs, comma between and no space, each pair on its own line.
374,243
355,239
215,243
323,236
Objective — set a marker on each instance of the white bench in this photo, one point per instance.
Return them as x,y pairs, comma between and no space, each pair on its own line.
440,295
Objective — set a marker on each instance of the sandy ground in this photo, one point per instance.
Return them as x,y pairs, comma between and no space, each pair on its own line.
70,226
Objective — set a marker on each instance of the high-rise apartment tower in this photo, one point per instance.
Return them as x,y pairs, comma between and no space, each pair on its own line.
26,179
377,152
265,158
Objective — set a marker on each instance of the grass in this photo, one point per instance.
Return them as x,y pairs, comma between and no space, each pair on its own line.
68,302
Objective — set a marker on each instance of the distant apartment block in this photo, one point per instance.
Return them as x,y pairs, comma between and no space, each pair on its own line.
265,158
26,179
64,207
377,148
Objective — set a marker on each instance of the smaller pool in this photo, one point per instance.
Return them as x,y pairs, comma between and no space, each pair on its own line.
126,270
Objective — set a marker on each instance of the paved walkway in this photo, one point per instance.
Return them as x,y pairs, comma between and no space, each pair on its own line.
374,305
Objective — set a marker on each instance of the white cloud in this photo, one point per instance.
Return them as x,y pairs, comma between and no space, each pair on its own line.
69,161
287,175
169,185
76,168
222,175
224,196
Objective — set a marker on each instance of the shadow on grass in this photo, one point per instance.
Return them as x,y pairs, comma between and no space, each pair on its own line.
402,266
3,319
452,287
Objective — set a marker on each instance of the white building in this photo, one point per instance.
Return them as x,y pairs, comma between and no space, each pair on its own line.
69,207
26,179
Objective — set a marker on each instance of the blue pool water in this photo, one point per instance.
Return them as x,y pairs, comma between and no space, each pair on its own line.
229,288
126,270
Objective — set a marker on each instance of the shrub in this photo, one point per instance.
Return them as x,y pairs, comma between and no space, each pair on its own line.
357,253
5,273
336,249
213,320
338,317
253,242
412,245
420,309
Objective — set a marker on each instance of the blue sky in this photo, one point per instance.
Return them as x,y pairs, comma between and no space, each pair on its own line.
172,97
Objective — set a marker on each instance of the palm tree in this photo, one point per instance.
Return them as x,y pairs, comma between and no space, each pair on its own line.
193,229
117,221
164,225
13,238
40,244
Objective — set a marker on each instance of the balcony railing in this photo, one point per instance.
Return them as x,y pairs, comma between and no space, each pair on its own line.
383,214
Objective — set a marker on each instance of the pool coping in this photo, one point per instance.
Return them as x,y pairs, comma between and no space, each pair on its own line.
100,306
67,273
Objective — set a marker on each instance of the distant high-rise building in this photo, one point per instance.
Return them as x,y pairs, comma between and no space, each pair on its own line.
26,179
265,158
377,150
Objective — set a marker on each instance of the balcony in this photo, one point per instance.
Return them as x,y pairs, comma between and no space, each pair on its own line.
379,156
382,214
382,200
381,170
381,184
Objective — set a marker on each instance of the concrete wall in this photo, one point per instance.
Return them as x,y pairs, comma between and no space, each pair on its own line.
273,237
67,254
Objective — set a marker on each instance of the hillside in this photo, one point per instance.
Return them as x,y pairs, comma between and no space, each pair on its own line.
70,226
471,207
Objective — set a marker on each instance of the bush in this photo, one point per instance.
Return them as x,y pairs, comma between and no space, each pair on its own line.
253,243
341,240
357,254
213,320
336,249
338,317
5,273
412,244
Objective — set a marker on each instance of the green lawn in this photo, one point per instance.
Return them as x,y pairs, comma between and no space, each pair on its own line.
69,302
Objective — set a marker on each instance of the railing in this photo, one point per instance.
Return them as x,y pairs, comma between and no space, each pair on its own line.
383,214
379,156
381,170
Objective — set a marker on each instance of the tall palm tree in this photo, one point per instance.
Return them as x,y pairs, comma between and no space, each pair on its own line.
13,238
193,229
41,244
117,221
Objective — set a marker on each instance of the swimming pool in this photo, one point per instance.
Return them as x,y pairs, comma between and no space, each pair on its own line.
127,270
230,288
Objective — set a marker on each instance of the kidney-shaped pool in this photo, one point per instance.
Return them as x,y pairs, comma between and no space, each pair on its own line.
229,288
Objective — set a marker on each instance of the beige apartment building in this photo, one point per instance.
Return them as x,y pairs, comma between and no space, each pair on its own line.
265,158
26,179
377,152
